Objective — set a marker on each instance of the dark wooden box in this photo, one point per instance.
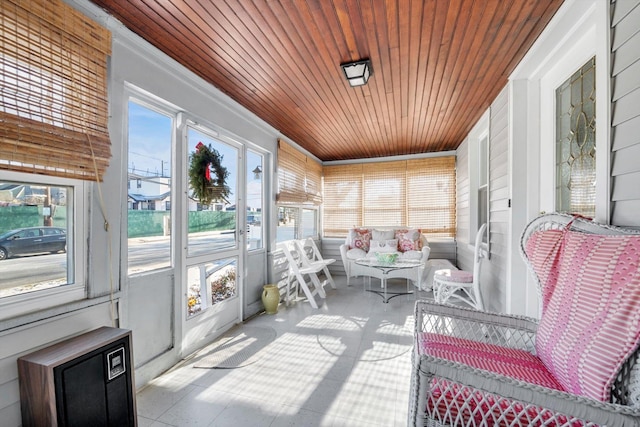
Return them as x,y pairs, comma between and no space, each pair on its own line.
83,381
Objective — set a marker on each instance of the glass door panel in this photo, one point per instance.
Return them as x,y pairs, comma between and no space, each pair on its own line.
212,227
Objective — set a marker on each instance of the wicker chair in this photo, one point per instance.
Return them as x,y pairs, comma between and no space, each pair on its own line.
460,285
474,368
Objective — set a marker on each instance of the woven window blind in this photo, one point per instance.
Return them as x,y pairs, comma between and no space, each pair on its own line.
342,207
313,187
384,193
419,193
53,98
431,195
299,177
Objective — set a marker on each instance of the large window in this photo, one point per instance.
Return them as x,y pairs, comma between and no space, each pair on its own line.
149,189
418,193
38,234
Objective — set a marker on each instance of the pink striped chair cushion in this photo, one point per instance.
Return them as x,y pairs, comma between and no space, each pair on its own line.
592,321
513,363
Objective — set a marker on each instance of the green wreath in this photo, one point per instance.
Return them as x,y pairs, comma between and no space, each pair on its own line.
207,176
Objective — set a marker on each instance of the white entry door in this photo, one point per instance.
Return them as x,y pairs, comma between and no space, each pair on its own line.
213,235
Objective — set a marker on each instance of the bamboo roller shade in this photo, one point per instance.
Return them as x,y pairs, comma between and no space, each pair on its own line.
53,103
299,177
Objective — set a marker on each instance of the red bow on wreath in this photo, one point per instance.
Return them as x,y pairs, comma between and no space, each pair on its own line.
207,171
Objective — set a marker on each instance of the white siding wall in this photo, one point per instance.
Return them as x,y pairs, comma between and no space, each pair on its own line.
494,271
625,135
493,280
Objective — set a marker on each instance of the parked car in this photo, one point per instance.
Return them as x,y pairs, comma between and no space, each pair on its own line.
32,240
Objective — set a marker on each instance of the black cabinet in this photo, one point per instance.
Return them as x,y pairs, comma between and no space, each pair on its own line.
84,381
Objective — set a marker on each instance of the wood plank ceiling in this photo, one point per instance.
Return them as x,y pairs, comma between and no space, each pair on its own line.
437,64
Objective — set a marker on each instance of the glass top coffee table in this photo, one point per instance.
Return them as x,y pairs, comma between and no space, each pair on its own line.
385,268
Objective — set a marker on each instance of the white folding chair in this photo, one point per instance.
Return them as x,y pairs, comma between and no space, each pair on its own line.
297,272
311,256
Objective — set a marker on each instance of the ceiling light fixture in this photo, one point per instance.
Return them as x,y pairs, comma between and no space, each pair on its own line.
357,73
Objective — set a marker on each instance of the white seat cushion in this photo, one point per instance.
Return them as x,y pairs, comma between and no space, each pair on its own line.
356,253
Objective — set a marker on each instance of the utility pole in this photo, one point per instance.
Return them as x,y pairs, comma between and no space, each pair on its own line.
46,209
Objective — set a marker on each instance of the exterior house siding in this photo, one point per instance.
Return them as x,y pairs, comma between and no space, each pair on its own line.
494,273
493,280
625,122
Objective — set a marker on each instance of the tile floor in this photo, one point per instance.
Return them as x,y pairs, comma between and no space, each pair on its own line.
345,364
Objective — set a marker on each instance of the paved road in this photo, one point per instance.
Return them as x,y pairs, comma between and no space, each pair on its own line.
32,270
144,254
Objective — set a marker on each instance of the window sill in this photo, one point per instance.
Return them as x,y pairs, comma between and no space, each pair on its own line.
37,316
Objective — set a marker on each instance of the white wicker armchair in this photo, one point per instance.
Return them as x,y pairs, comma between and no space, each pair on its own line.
454,387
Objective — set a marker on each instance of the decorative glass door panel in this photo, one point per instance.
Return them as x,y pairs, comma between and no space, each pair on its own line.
576,142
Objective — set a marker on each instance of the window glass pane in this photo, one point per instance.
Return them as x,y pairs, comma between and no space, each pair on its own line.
149,189
212,226
255,190
34,227
309,223
209,284
288,224
576,143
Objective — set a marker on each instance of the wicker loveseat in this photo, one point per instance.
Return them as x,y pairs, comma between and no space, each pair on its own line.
364,242
576,366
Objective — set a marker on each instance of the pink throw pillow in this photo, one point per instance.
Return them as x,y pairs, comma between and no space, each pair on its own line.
360,238
592,322
408,240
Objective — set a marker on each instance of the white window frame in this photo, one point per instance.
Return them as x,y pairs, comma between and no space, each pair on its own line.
29,302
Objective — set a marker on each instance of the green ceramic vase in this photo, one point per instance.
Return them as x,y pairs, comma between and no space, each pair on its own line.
270,298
